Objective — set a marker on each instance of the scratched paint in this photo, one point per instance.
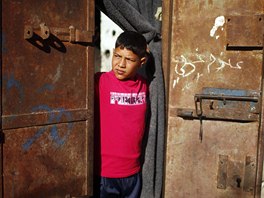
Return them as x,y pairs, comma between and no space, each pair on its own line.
57,75
54,133
219,22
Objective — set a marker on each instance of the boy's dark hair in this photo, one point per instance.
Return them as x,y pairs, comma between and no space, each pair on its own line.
133,41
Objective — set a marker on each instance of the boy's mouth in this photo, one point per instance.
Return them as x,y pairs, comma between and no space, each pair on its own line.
120,72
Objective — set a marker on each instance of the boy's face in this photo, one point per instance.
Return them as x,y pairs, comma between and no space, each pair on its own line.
125,63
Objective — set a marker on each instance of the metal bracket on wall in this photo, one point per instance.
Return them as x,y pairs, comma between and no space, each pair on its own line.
224,104
238,175
244,31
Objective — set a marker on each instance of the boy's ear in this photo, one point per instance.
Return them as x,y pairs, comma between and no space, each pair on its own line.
143,61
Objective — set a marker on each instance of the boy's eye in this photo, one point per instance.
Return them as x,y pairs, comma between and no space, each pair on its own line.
130,60
117,55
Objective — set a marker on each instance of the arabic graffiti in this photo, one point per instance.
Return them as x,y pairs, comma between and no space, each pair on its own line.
185,67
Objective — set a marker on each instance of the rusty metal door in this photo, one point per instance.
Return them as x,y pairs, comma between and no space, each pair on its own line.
47,98
213,63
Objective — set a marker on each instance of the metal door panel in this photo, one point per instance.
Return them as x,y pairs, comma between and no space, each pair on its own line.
49,69
44,161
47,98
224,162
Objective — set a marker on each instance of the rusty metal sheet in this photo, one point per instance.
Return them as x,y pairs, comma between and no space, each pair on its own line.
197,58
250,25
47,98
45,161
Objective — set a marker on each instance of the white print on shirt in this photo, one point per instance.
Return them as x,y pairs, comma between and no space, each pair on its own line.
127,98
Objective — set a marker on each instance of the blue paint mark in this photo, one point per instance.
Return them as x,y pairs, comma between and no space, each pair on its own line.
229,92
12,82
41,107
54,132
26,146
226,92
45,87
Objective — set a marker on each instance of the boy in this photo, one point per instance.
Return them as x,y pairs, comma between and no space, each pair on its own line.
120,108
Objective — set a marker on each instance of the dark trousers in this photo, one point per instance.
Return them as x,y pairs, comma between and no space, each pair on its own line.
128,187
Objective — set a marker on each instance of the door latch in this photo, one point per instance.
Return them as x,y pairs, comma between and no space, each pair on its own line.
224,104
70,34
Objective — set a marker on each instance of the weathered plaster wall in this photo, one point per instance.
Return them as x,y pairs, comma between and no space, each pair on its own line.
109,33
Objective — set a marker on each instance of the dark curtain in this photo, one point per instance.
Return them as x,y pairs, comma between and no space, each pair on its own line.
139,15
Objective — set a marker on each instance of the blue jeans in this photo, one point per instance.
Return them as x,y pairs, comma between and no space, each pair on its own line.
128,187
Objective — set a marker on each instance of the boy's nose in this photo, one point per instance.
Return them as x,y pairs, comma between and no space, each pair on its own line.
122,63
